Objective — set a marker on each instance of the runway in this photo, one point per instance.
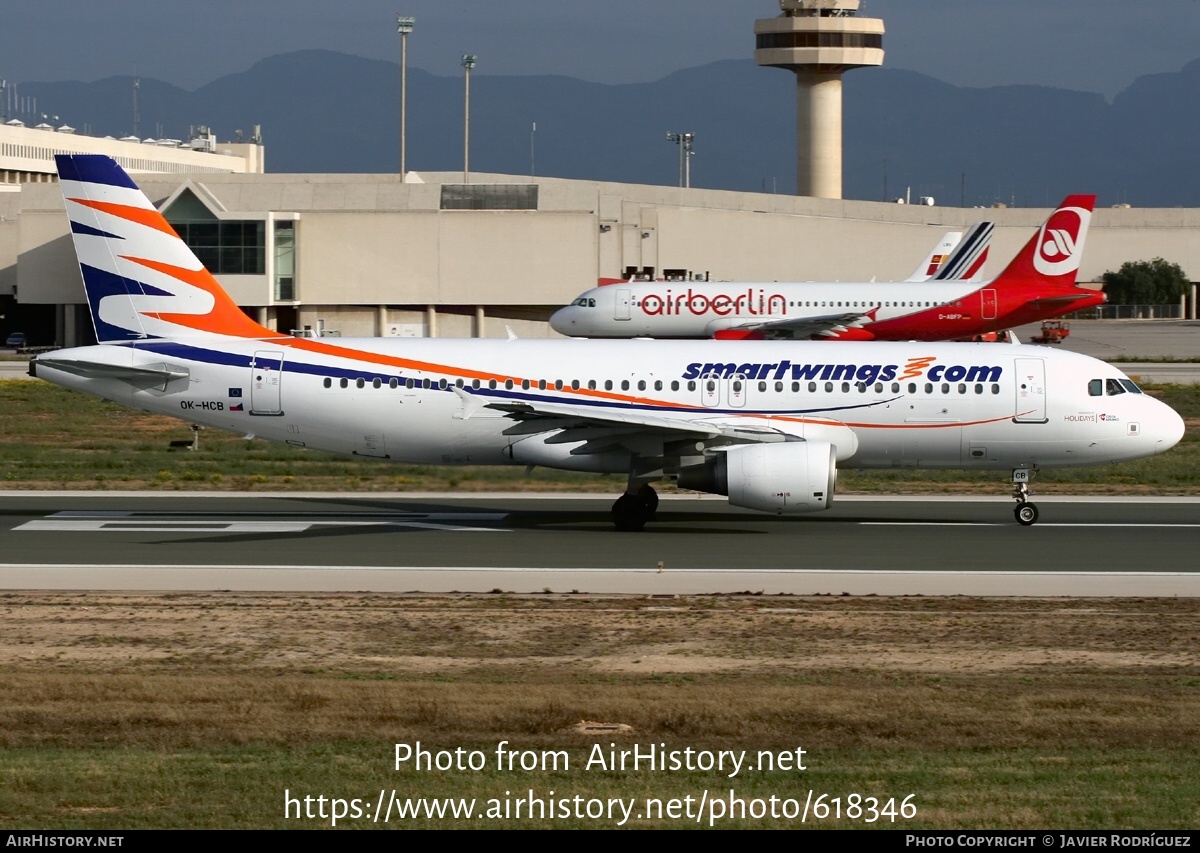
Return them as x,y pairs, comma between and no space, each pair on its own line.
565,543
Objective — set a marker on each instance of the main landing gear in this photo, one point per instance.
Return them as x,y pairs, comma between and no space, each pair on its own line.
1025,512
633,509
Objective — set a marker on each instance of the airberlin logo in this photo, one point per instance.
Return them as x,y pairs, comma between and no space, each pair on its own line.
914,368
1057,251
752,301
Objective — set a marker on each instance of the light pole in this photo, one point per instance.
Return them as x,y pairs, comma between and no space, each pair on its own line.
468,62
684,141
687,159
404,26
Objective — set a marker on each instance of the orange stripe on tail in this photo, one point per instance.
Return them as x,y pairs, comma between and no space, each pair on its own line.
225,318
149,218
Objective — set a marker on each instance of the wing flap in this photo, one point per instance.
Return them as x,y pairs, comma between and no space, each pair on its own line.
806,327
604,417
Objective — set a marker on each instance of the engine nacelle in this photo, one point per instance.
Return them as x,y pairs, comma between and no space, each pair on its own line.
788,477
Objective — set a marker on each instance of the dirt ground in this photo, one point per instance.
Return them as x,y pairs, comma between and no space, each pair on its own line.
424,635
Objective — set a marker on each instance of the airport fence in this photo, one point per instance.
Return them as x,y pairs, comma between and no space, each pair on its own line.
1131,312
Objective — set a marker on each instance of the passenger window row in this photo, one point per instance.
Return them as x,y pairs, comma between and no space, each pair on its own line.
737,385
823,303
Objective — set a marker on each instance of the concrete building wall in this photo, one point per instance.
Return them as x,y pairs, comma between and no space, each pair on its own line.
10,235
377,256
451,257
47,271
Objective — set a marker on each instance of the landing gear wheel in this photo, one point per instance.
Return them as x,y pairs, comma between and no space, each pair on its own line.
1026,513
649,499
630,513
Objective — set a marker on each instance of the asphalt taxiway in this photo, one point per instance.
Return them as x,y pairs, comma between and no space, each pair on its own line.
563,543
1152,343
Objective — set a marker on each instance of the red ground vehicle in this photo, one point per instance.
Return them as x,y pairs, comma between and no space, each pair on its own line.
1053,332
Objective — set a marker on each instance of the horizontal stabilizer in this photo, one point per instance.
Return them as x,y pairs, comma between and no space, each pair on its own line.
144,377
1064,298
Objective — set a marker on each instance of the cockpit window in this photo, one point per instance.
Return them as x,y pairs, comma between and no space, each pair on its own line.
1113,387
1130,386
1096,388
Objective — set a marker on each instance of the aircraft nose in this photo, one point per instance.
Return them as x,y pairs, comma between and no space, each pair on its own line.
560,320
1167,429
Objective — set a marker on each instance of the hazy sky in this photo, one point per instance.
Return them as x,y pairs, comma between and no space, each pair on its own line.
1089,45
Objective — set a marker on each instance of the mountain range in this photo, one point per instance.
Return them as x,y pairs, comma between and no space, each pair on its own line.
904,132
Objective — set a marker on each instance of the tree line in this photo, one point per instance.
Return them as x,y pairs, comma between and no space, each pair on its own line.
1155,282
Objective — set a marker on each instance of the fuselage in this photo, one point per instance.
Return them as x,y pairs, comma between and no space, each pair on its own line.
929,311
987,406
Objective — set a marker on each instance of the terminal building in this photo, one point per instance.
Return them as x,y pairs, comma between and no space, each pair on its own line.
27,164
366,255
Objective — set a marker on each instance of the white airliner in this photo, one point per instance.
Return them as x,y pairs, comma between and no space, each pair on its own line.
766,423
1039,283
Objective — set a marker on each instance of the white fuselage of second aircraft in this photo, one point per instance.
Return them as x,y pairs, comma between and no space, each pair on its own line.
666,309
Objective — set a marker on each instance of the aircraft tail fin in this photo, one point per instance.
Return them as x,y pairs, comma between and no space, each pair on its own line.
969,256
934,260
1053,255
142,280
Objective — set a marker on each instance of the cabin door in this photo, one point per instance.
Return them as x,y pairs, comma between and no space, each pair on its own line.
988,297
266,378
621,305
1031,391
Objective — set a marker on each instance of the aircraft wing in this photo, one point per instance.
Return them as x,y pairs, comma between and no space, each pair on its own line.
582,422
655,439
826,325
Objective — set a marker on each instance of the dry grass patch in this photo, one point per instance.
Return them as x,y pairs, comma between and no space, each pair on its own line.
123,711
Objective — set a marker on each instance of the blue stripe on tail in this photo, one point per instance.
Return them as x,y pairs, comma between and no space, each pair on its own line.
92,169
100,284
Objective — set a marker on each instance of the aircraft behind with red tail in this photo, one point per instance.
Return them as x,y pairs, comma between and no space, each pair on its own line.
1039,283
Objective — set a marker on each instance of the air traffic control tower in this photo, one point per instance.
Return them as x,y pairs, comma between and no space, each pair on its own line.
818,40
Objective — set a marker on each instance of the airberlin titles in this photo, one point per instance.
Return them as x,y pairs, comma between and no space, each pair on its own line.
754,301
914,368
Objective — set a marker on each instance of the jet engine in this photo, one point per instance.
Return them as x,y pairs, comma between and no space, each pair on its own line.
787,477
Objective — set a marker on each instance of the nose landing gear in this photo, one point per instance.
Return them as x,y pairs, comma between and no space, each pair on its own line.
1026,513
